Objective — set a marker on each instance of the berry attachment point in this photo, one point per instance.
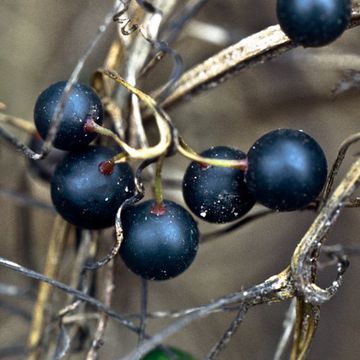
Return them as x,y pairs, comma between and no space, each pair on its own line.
107,167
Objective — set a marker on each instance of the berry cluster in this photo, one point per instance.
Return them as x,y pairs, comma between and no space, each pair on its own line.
87,189
284,170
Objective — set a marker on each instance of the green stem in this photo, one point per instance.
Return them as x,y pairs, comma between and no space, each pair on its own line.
158,189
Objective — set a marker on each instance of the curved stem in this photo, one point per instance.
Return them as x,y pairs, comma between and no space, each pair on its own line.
189,153
161,118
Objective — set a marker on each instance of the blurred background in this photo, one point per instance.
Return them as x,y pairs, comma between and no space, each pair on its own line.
41,42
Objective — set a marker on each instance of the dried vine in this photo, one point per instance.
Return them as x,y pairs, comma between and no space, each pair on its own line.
297,282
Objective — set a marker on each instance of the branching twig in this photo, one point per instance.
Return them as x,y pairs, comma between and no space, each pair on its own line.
264,45
302,259
65,95
17,122
282,286
275,288
69,290
56,244
225,339
100,330
344,147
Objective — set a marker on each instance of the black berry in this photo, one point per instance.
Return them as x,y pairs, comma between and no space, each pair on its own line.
217,194
85,196
158,245
313,22
82,104
286,169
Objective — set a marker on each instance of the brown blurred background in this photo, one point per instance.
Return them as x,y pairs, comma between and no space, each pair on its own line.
40,43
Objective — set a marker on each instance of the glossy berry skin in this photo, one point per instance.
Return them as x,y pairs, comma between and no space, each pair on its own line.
83,103
83,195
286,169
217,194
313,22
160,354
158,247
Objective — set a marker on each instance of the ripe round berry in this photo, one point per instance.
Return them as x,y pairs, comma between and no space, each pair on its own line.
313,22
286,169
161,354
86,197
158,245
217,194
82,104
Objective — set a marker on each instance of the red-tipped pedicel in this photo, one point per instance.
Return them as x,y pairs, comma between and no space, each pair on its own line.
158,209
107,167
89,125
204,166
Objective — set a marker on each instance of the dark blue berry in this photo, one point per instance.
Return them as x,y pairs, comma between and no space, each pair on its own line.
83,194
82,104
286,169
217,194
158,245
313,22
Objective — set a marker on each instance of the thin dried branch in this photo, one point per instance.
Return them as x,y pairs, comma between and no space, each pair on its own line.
17,122
56,245
174,314
100,330
264,45
79,280
69,290
275,288
229,333
138,50
296,279
139,194
288,326
174,27
303,259
344,147
63,343
74,78
307,319
65,95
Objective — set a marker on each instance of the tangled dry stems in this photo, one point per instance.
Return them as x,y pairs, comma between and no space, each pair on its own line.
297,281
